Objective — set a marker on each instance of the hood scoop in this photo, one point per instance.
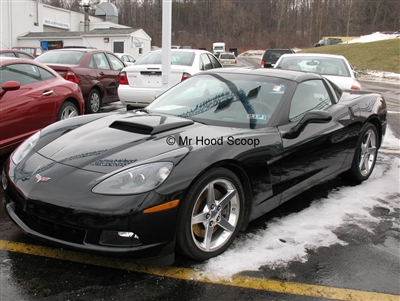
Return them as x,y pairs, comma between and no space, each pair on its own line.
150,124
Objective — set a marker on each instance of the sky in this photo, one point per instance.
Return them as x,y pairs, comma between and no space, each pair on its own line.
314,226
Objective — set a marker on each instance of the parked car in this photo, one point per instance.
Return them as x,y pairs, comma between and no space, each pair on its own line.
15,53
336,68
327,42
227,59
141,83
32,96
33,50
95,71
193,168
126,58
271,55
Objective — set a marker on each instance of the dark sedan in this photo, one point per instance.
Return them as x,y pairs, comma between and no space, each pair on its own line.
32,96
191,170
95,71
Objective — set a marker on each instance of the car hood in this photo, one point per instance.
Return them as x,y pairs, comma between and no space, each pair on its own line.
115,141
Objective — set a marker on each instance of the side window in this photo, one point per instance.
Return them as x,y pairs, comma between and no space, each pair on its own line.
131,59
24,56
215,62
46,74
205,61
7,54
38,51
25,74
101,61
115,62
309,95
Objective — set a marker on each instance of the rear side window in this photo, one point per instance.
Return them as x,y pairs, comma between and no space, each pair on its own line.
24,56
205,62
115,62
214,62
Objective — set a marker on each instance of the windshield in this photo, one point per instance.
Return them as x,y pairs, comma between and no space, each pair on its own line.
177,58
61,57
322,65
246,101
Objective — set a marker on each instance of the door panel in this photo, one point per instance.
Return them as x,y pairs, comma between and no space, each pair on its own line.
320,150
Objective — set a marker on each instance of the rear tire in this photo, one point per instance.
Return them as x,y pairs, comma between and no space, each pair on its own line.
93,102
365,155
211,215
67,110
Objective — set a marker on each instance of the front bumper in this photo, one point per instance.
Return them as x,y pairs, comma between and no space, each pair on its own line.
120,231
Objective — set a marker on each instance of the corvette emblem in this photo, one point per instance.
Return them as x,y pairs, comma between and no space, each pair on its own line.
41,179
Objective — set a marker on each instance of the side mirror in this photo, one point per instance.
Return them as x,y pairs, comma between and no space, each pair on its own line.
9,86
309,117
356,75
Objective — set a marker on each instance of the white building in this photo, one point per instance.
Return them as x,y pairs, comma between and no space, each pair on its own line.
32,23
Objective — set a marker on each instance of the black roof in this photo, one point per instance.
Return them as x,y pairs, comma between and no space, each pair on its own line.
292,75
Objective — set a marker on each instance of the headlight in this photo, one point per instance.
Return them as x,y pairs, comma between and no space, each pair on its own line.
25,148
135,180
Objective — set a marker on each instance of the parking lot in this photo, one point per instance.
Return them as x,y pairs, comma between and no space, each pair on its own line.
333,242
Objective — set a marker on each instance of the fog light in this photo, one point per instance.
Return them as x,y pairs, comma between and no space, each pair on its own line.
4,181
119,239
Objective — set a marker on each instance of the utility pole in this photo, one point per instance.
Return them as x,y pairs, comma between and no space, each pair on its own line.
166,44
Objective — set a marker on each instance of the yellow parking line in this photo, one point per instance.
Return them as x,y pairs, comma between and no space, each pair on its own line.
276,286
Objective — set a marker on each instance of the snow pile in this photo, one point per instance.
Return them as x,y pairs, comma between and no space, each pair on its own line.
290,238
377,36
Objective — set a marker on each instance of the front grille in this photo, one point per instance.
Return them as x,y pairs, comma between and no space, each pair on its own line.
52,229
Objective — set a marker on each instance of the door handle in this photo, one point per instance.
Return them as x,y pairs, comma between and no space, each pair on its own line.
48,93
101,73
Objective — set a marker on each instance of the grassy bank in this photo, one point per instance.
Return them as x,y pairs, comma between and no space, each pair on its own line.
380,55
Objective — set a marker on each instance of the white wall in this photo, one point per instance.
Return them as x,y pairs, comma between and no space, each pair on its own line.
19,17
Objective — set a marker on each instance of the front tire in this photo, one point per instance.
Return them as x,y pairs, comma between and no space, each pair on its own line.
365,155
211,215
67,110
93,102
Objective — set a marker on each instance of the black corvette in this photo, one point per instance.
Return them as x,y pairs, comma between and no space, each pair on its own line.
193,168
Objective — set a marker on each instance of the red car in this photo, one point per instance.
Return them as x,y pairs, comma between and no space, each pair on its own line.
95,71
16,53
33,50
32,96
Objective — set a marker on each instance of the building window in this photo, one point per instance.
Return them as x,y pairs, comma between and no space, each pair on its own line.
118,47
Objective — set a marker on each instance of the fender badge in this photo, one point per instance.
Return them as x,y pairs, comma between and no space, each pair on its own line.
41,179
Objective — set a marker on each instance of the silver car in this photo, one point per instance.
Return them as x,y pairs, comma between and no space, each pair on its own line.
335,68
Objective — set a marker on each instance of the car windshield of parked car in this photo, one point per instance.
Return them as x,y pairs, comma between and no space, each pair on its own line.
245,101
177,58
61,57
324,66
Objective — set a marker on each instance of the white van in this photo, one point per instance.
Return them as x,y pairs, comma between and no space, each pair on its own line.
218,48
